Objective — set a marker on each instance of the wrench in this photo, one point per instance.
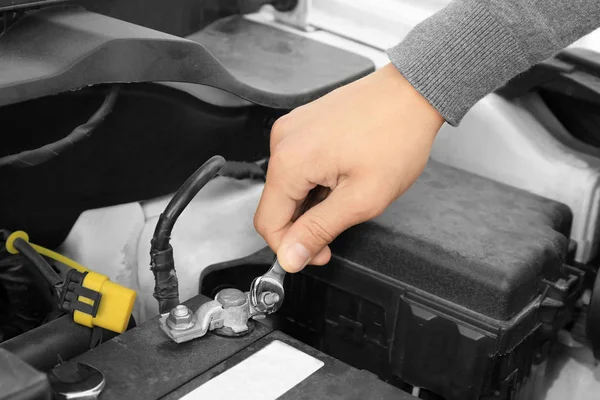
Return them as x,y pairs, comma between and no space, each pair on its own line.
266,291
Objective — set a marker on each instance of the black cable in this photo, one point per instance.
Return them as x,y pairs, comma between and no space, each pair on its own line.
30,158
166,289
42,274
38,261
185,194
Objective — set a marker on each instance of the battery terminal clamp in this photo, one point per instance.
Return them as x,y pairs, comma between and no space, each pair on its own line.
230,313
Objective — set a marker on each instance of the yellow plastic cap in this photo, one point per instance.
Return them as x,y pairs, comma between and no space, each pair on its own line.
10,242
115,306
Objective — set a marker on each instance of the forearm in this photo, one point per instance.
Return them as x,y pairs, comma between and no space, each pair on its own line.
472,47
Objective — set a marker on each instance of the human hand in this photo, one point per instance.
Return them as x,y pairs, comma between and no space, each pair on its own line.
367,142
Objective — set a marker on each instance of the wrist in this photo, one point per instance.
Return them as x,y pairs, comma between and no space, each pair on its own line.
392,81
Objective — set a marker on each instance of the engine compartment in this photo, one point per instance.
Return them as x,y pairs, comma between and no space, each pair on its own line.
478,283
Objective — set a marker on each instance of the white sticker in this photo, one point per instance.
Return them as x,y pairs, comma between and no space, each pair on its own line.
265,375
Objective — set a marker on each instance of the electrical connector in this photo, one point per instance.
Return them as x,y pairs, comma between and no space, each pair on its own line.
92,297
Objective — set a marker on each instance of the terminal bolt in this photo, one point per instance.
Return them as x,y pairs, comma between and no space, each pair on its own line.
180,318
269,298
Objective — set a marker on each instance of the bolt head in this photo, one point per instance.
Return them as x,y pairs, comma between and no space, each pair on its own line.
231,298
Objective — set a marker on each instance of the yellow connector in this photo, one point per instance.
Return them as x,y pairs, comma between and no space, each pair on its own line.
115,306
116,303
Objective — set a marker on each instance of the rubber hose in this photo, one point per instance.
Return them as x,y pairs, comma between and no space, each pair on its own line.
62,338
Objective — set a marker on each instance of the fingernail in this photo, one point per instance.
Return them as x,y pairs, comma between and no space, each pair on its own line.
297,256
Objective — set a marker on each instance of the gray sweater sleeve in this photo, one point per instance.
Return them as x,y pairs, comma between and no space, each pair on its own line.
471,47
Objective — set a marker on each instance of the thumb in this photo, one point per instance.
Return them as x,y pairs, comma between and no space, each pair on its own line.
310,234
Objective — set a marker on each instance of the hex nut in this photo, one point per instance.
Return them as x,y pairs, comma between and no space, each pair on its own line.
178,319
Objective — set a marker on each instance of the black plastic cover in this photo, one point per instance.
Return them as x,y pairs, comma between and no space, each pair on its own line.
477,243
177,17
20,381
60,49
278,62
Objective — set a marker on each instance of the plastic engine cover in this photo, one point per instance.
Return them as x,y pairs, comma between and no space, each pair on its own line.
458,288
466,239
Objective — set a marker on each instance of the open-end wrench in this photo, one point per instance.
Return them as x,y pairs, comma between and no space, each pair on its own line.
266,291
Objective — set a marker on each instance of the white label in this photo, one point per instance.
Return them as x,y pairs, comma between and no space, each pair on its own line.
265,375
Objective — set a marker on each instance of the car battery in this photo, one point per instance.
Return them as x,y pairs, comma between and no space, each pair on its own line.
504,140
458,288
143,363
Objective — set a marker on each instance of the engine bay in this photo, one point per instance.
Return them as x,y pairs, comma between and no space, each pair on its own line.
130,266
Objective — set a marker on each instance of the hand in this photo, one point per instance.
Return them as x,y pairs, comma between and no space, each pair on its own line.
367,142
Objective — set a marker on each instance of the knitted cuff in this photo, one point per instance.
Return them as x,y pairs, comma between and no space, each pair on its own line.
458,56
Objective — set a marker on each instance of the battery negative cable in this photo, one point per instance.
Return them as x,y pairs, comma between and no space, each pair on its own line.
30,158
166,288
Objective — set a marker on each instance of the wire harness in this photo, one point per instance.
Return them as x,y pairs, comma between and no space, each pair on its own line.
30,158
